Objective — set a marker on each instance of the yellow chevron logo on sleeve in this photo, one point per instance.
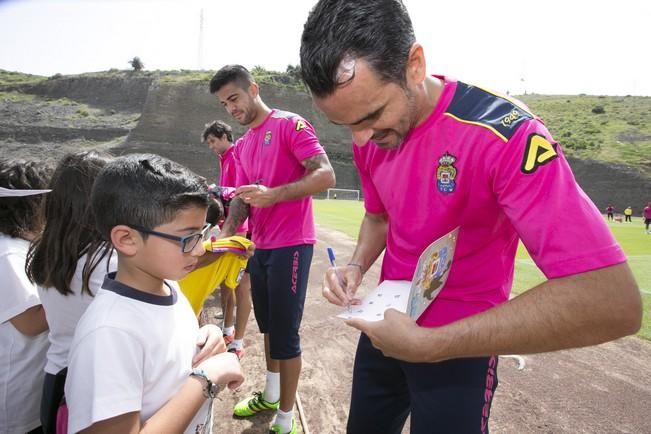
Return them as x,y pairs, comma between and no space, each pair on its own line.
539,151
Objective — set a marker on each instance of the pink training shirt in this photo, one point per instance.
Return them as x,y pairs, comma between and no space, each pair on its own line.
486,164
228,178
271,154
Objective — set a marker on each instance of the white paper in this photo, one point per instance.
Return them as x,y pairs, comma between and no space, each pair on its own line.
389,294
412,297
10,192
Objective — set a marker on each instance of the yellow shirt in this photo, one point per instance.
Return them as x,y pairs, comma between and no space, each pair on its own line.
227,269
628,211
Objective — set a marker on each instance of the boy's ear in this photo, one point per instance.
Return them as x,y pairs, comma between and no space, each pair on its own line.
125,239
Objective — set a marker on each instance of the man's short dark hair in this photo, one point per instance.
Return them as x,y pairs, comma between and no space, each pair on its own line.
146,190
229,74
218,129
377,31
23,215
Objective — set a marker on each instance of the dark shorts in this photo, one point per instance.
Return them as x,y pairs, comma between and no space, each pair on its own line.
278,288
647,221
453,396
51,400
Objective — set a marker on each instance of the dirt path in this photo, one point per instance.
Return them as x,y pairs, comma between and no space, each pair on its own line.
604,389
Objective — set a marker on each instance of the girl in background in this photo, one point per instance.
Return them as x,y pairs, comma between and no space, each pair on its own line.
23,341
68,263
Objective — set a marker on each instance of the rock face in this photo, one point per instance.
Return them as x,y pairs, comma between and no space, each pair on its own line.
174,116
142,113
612,184
124,92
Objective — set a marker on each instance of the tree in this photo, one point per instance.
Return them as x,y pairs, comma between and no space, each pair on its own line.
294,73
136,64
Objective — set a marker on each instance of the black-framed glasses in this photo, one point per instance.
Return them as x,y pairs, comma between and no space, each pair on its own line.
188,242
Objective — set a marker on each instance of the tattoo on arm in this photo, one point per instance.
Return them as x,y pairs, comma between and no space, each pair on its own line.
316,162
237,213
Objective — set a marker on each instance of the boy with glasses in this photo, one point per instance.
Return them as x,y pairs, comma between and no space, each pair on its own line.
134,360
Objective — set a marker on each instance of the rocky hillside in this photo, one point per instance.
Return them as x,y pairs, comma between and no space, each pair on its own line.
166,112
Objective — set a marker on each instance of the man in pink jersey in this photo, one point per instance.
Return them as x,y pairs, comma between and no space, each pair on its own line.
280,164
647,217
434,154
218,135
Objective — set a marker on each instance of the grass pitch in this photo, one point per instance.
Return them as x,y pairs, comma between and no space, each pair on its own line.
346,216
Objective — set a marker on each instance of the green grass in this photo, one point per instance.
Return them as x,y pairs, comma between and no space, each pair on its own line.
10,97
342,215
621,134
346,216
14,78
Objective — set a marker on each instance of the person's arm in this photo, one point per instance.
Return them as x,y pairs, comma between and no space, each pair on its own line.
370,244
319,177
573,311
238,211
178,412
31,322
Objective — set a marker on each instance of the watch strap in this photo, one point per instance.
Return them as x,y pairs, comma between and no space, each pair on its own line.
210,389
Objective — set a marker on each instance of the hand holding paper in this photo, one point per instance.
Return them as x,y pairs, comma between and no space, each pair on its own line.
412,297
398,336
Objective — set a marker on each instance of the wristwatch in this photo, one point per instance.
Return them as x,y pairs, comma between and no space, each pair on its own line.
210,389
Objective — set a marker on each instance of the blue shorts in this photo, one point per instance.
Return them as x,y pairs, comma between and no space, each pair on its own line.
278,288
453,396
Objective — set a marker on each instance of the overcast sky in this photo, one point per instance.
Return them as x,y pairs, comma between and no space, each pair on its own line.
553,47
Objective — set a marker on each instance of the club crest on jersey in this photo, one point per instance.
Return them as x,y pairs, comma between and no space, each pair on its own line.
267,138
446,174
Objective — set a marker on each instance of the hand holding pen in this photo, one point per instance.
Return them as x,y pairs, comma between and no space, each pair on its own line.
337,288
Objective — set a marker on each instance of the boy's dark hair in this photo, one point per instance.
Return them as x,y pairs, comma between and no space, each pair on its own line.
22,216
146,190
215,212
69,230
229,74
218,129
377,31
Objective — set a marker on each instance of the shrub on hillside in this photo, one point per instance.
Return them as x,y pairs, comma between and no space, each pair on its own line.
598,110
136,64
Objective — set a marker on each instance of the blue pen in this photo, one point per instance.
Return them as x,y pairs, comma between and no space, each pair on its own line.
331,256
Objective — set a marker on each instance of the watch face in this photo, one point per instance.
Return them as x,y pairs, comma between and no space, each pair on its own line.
214,390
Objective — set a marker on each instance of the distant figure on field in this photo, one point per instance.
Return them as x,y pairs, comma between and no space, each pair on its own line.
610,212
628,212
647,217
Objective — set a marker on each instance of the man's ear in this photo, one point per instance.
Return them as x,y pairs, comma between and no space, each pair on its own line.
254,89
416,67
125,239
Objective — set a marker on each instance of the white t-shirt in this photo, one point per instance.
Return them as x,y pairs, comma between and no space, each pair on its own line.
131,351
63,311
21,357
